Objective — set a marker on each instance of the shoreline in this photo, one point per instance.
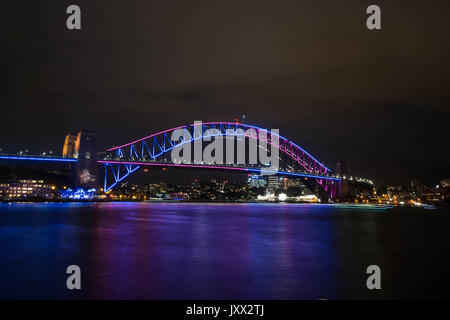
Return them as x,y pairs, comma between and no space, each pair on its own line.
424,205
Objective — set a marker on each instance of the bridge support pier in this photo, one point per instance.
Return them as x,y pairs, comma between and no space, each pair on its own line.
331,187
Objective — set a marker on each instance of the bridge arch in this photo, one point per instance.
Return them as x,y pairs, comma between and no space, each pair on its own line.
121,161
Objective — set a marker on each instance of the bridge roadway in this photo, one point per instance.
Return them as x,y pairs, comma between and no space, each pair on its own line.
33,158
221,167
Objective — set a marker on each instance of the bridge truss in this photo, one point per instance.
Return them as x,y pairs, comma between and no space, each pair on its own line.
154,150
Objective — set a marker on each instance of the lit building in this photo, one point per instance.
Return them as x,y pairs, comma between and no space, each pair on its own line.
445,183
23,189
417,188
341,169
295,183
285,183
273,182
279,182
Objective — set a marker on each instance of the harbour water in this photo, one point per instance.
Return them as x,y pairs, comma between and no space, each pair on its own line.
149,250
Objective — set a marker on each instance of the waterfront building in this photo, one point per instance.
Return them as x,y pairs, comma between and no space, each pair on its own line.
286,183
256,181
78,194
273,182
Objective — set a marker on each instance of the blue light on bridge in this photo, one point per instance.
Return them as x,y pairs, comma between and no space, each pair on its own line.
38,159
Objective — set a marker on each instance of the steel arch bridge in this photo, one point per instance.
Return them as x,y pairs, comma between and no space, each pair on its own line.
121,161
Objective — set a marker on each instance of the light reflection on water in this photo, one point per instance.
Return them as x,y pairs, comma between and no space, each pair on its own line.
220,251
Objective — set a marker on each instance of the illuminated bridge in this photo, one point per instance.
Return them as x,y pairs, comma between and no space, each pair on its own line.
155,149
120,162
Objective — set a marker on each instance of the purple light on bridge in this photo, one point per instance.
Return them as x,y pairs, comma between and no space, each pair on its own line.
221,123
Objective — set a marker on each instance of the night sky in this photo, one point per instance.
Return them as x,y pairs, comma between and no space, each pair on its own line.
378,100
